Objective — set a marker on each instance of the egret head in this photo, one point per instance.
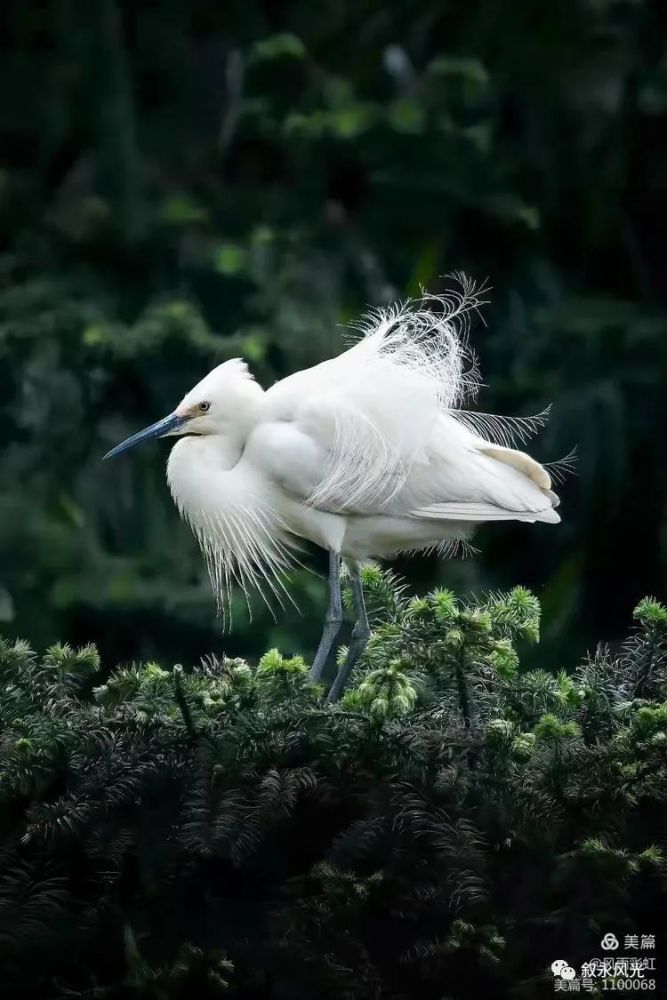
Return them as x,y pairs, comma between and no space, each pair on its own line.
224,402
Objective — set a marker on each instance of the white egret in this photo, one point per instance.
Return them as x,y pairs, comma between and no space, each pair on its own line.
366,455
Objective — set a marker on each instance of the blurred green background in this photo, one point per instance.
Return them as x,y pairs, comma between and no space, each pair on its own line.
184,182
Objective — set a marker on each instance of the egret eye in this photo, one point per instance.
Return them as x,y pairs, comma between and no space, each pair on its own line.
203,407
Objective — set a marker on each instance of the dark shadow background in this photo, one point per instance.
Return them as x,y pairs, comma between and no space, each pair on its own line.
184,182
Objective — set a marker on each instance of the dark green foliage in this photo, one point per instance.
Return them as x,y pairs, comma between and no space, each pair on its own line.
450,828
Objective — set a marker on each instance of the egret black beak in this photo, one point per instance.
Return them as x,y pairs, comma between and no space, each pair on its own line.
165,426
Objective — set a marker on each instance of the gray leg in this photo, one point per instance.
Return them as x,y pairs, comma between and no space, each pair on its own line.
333,619
360,636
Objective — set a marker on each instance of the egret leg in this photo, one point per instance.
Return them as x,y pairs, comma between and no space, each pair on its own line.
360,636
333,619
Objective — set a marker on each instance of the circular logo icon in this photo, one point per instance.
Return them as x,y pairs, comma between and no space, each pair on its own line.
609,942
558,966
568,973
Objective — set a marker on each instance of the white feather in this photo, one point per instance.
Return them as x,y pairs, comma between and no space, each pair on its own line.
506,431
374,406
367,454
243,538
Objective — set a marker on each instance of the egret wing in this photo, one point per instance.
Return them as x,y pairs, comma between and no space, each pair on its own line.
451,475
373,408
379,429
